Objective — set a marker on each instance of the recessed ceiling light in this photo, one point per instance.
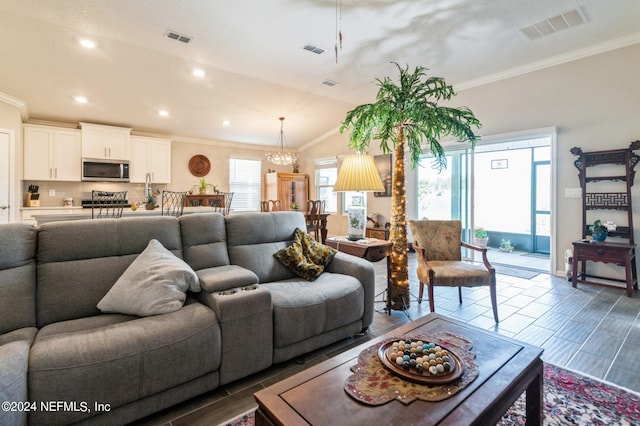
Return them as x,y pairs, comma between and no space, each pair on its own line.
226,122
163,113
87,44
198,72
80,99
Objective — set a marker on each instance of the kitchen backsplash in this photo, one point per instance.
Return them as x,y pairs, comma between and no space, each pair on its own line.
53,193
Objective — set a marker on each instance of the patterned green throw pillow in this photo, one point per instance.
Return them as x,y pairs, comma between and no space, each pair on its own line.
305,257
316,252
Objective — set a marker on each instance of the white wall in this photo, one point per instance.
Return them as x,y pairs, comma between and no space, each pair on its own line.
593,102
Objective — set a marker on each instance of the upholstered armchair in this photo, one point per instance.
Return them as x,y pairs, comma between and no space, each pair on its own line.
438,245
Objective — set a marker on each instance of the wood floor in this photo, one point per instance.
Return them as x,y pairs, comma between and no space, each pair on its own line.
592,329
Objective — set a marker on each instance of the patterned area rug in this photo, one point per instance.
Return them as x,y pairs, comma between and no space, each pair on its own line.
569,399
574,399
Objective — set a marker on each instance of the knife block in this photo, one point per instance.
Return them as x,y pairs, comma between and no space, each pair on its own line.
33,199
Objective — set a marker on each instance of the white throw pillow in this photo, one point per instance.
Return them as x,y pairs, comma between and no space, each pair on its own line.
155,283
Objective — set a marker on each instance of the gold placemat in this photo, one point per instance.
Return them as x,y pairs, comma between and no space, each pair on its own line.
373,384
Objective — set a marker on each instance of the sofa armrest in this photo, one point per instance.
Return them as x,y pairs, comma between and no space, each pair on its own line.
221,278
246,324
363,270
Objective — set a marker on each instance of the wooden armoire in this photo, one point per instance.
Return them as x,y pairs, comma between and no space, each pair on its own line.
289,188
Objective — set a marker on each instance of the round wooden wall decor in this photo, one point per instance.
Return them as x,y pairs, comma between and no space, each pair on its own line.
199,165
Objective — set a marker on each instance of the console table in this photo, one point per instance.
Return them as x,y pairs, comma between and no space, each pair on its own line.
621,254
606,178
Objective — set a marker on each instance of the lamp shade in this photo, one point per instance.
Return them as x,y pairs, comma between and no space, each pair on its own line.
358,173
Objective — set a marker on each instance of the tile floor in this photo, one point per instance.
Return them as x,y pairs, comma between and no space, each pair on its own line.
592,329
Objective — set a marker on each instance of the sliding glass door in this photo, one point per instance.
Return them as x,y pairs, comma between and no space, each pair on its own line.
444,194
502,187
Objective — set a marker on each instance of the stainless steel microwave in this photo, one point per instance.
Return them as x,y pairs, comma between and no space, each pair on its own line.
105,170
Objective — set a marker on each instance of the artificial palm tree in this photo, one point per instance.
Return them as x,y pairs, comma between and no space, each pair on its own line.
408,113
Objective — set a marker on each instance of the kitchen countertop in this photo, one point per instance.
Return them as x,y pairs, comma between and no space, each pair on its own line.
78,213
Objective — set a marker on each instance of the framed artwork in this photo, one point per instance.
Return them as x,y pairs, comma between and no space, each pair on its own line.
383,164
500,164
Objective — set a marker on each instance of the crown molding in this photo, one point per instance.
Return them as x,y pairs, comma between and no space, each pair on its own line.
552,61
15,102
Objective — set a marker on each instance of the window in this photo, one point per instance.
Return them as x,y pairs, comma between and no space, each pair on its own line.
244,182
326,174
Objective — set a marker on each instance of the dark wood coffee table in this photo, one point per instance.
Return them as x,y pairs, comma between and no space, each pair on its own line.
506,368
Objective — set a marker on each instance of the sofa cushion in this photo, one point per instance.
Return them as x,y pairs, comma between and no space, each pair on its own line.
17,276
80,260
253,238
14,360
117,359
155,283
302,310
204,240
305,257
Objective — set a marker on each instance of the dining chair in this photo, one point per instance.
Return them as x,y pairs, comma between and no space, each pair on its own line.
107,205
315,210
439,246
223,205
172,203
271,206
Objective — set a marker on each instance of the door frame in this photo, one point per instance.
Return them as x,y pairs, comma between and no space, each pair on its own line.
13,201
535,246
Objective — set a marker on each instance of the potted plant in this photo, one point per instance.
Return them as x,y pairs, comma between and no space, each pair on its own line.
480,237
599,230
150,202
506,246
203,186
404,113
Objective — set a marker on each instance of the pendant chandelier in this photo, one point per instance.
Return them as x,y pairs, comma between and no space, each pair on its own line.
282,158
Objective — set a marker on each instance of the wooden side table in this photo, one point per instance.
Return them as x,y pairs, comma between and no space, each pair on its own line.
372,249
622,254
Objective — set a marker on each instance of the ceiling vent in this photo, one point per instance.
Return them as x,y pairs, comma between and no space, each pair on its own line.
554,24
315,49
329,83
178,37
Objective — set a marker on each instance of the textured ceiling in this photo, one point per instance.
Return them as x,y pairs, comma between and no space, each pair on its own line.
255,64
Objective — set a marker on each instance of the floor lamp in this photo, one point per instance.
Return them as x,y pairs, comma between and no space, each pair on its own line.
358,173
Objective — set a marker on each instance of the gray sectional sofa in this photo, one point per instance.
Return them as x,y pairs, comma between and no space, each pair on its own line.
63,361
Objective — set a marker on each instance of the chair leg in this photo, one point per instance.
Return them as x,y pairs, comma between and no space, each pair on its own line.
460,294
430,292
494,301
420,292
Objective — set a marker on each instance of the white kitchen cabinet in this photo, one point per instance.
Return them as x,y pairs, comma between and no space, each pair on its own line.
150,155
52,153
105,142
